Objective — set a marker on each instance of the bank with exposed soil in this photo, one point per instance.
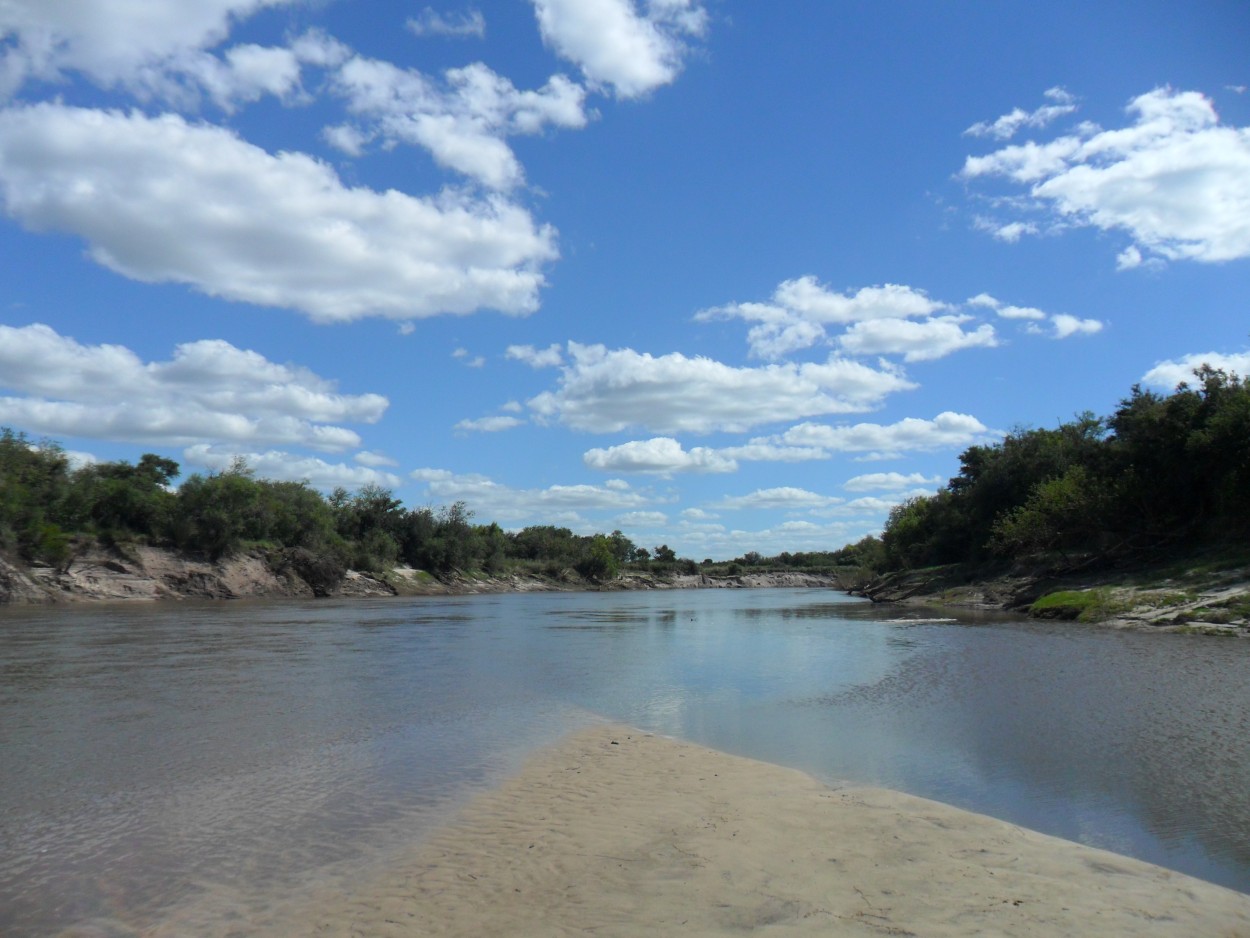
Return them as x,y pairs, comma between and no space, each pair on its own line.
1208,594
150,573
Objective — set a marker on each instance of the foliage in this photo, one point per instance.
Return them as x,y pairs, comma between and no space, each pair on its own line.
1162,471
1091,605
47,510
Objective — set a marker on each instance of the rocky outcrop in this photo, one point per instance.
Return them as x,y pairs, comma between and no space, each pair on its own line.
1211,596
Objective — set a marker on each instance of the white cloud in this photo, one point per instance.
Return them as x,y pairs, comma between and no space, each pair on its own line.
163,200
208,391
1010,232
947,430
887,481
764,450
698,514
141,46
926,340
549,357
783,497
490,499
1065,325
1004,310
716,541
1006,126
608,391
872,504
614,45
660,455
640,519
1176,180
461,121
430,22
467,359
286,467
489,424
1168,374
374,460
244,74
1062,324
801,308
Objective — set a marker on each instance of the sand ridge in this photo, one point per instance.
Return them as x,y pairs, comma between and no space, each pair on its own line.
618,832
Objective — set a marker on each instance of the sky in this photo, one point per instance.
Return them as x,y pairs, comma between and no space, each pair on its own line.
725,275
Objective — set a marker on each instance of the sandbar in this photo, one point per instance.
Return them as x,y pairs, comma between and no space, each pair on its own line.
618,832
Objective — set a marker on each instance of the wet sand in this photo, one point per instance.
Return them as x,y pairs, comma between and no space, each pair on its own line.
618,832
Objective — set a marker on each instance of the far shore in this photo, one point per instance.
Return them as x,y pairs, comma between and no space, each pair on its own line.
1202,595
616,832
151,573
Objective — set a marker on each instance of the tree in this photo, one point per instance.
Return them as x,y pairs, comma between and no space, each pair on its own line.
600,561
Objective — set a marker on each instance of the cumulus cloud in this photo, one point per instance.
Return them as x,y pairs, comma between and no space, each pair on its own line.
764,450
783,497
640,519
373,460
660,455
1065,325
488,424
210,391
550,357
1168,374
1062,325
163,200
287,467
926,340
461,25
554,504
616,45
1005,127
606,391
948,430
888,481
801,308
144,47
1175,180
462,120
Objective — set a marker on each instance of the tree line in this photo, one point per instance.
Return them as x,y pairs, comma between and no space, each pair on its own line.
1162,474
50,511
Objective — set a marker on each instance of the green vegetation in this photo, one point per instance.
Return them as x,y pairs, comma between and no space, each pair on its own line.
50,512
1091,605
1163,476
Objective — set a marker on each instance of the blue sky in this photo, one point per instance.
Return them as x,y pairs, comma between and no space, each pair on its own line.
727,276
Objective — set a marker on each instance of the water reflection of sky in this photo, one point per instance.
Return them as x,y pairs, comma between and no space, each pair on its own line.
159,752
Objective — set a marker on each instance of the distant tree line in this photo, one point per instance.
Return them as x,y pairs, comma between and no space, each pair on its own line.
1161,474
49,511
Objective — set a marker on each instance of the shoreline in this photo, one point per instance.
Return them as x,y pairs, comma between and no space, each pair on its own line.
615,831
1198,596
143,573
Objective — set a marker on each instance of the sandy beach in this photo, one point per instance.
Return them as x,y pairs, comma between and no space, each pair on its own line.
618,832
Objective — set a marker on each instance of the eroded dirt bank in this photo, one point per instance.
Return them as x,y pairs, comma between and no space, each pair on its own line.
149,573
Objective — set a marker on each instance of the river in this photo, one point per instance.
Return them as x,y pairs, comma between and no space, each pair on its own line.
217,756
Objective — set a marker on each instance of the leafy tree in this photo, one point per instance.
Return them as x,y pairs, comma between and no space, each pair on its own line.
600,562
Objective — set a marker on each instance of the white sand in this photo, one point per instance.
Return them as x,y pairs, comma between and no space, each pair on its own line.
616,832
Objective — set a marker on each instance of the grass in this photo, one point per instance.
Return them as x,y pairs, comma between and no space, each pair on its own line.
1092,605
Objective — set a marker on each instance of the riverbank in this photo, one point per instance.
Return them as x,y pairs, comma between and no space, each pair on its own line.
150,573
1205,593
618,832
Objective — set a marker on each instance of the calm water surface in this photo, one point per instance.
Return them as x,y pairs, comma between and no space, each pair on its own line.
216,757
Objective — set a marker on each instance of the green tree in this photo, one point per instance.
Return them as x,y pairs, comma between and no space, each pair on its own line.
599,563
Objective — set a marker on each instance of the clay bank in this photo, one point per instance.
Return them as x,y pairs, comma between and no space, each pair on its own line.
151,573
